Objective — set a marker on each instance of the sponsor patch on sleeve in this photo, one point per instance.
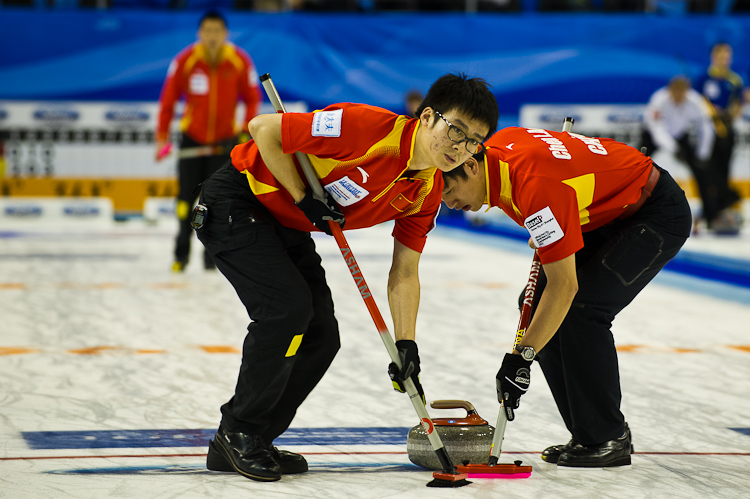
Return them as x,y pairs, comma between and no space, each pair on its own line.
327,123
543,228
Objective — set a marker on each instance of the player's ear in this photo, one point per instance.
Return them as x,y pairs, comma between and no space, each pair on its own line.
471,166
426,117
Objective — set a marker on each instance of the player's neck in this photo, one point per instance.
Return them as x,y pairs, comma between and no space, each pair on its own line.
213,55
419,157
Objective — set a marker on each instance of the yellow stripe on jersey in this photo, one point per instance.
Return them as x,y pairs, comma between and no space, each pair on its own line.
258,187
390,145
506,188
428,175
229,53
187,118
584,187
197,54
413,142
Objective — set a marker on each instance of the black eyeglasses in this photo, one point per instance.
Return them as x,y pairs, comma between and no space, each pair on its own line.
457,135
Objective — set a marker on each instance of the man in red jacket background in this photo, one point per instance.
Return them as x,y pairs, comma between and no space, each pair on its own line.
212,75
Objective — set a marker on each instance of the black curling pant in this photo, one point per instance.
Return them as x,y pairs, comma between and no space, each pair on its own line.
293,336
615,264
190,173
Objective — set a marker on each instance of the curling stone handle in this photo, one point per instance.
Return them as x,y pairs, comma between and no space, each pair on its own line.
454,404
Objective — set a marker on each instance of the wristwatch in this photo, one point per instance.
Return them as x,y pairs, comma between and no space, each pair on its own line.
528,353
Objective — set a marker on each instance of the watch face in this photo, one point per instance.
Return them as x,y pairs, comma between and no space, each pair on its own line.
528,353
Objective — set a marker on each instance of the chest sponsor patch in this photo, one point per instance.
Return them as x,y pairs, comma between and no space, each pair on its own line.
543,228
327,123
346,192
198,84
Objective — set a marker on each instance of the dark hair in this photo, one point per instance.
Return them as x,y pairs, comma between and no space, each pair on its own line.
214,15
680,81
459,172
470,96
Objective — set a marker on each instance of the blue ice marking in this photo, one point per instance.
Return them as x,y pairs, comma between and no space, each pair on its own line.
134,439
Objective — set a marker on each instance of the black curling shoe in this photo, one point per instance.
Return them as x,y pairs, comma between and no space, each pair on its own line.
243,453
608,454
552,454
289,462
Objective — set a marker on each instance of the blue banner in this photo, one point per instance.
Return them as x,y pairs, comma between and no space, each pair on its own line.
371,58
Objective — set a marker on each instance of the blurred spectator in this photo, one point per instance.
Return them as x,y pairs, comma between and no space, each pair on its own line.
722,87
412,100
678,120
212,74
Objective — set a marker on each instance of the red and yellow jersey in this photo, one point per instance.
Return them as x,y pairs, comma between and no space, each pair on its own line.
560,184
211,93
362,155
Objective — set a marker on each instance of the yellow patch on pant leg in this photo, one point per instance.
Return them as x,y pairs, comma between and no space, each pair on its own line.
294,345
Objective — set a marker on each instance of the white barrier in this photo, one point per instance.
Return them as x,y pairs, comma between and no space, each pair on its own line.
158,209
29,211
90,139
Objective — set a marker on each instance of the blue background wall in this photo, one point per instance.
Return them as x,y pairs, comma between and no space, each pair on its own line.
374,58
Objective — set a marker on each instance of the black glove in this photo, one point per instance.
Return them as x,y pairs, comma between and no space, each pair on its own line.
319,212
409,356
513,380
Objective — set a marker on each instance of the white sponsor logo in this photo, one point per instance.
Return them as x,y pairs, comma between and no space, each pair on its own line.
198,84
327,123
365,175
510,146
543,228
252,76
346,192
